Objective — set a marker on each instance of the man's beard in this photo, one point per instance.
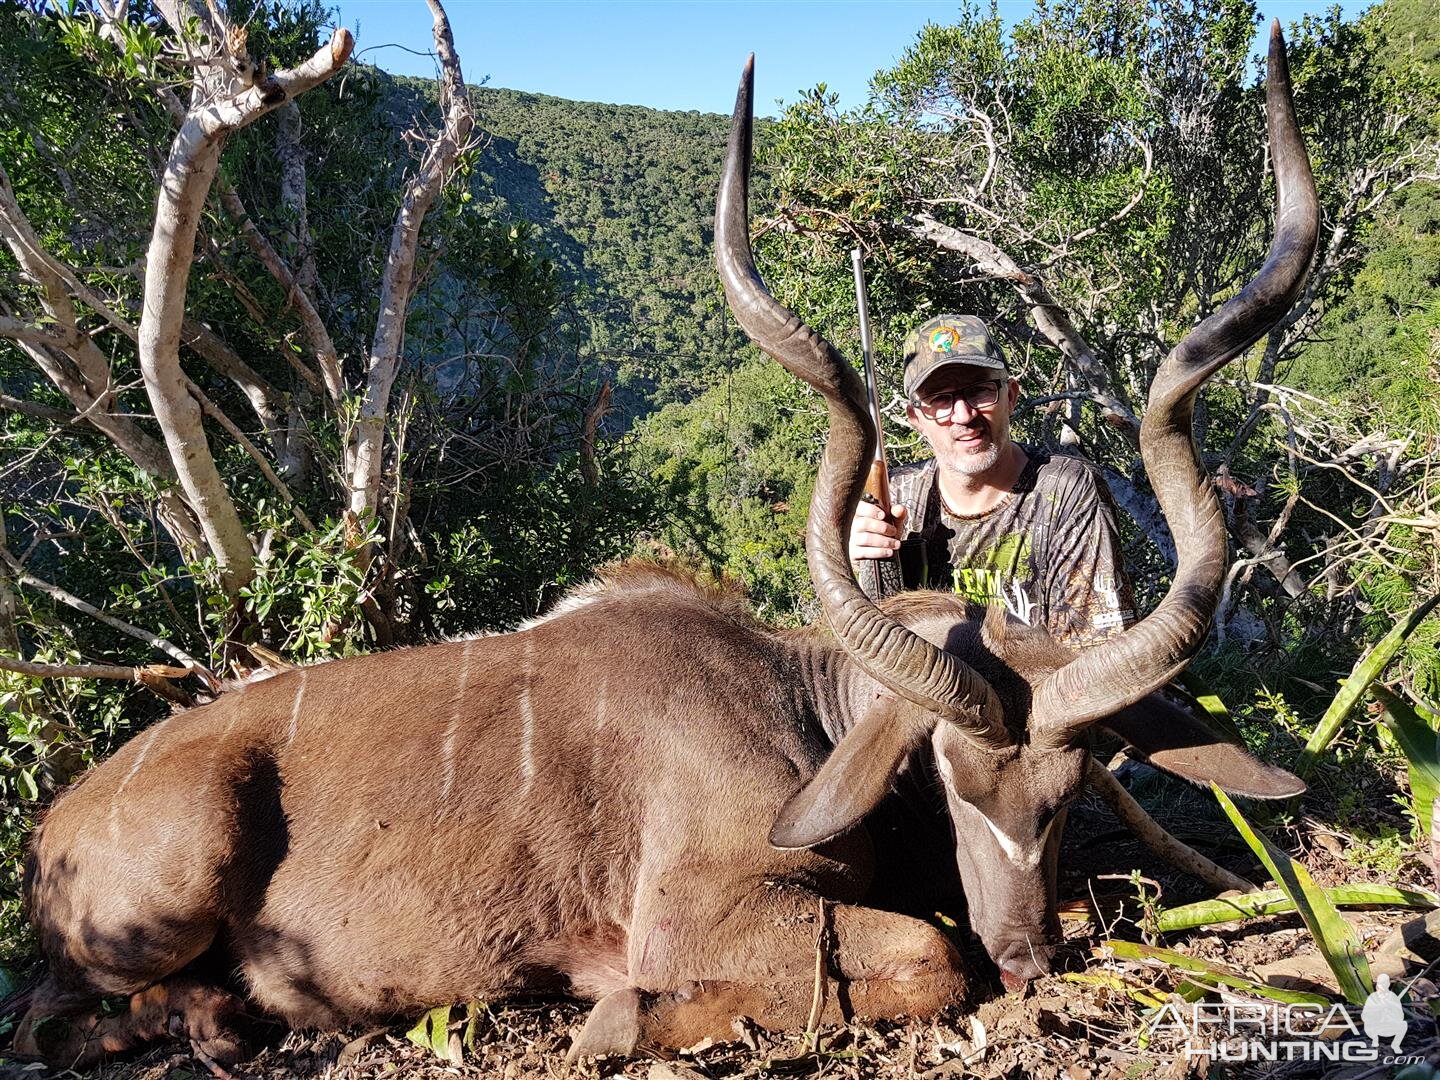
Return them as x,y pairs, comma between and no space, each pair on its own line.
972,464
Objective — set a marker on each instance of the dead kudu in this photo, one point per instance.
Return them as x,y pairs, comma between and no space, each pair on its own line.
646,798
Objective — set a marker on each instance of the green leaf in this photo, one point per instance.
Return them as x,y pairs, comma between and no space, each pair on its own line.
1202,971
432,1031
473,1012
1367,670
1421,748
1275,902
1334,937
420,1033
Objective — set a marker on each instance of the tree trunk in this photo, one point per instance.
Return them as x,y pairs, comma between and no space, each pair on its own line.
184,187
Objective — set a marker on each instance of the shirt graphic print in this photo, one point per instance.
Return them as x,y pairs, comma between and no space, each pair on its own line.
1049,551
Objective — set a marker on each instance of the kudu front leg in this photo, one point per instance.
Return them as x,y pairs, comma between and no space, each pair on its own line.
69,1032
693,975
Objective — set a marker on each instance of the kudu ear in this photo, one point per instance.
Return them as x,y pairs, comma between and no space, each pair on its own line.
854,778
1173,737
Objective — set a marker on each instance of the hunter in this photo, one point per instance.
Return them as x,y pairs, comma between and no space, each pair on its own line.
985,516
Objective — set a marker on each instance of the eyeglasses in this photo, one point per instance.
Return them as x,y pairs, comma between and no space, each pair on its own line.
941,406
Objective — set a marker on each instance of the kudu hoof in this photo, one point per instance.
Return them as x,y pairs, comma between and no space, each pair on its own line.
612,1029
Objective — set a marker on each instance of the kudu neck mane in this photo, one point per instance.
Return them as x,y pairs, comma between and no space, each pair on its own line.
1011,657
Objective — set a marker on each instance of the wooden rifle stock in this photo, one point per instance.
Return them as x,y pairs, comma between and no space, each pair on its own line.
877,485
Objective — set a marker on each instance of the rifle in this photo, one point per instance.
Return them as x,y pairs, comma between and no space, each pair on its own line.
877,484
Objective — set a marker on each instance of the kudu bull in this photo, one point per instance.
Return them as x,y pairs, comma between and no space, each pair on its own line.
644,797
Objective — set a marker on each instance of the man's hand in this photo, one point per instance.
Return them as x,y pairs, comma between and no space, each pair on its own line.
871,535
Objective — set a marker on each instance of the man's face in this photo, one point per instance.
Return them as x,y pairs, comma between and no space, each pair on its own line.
967,435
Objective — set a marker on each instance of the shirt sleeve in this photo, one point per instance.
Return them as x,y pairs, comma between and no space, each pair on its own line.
1087,595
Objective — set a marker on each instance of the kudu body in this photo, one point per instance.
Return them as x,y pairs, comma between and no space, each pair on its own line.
646,798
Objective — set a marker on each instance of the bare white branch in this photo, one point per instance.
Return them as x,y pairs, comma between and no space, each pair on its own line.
189,173
1050,317
316,333
366,451
24,578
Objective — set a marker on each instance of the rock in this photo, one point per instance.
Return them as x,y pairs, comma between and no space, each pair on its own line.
1307,972
669,1070
1413,946
355,1047
1421,989
1330,844
747,1031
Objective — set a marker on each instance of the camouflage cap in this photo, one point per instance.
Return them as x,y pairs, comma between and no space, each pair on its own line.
947,341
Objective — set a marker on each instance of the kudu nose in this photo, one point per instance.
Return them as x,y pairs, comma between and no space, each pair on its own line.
1015,974
1020,963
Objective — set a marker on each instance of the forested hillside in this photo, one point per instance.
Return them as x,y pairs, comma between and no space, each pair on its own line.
622,196
626,194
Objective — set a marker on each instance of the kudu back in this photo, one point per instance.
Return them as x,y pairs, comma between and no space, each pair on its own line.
647,798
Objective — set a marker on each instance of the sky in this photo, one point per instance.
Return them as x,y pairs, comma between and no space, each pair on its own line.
673,54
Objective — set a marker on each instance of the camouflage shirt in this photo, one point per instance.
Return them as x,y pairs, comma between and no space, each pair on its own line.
1050,551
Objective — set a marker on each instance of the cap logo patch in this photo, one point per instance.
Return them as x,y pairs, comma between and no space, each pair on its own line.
944,339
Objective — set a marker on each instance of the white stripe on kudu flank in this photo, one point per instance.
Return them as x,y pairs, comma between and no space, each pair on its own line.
527,717
117,802
139,760
447,746
295,709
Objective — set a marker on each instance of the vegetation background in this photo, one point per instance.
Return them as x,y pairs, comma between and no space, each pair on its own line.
568,388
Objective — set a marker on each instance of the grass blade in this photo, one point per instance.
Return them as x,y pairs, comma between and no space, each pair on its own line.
1367,670
474,1010
1275,902
1428,710
1334,937
1206,973
1135,992
1210,701
1422,751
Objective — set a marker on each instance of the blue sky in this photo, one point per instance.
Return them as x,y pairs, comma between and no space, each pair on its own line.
669,54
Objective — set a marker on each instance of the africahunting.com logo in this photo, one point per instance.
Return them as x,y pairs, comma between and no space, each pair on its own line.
1264,1031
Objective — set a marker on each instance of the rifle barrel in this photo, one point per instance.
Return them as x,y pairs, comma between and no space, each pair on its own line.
877,486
